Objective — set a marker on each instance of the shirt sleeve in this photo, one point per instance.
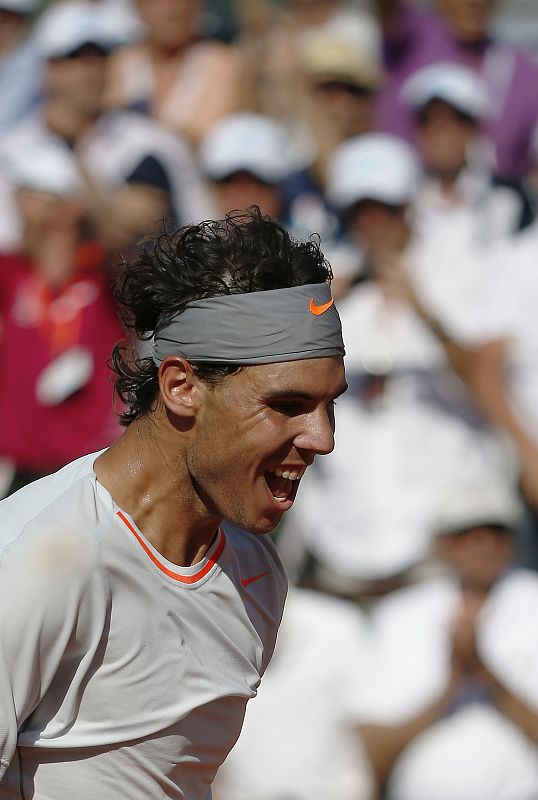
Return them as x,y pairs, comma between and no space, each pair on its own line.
47,598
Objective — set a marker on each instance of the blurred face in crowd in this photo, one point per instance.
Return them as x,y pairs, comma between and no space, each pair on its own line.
171,23
243,189
78,80
376,225
477,556
44,213
468,19
312,12
444,136
349,108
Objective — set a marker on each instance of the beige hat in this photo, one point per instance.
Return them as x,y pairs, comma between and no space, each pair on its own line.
468,505
324,56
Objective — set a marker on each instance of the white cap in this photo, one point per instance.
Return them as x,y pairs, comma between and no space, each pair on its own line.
464,506
49,167
245,141
19,6
67,26
373,166
458,86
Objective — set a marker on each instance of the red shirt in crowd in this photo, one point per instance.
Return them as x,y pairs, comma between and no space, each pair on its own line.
56,390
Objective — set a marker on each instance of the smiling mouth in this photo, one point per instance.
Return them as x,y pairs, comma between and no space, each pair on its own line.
283,484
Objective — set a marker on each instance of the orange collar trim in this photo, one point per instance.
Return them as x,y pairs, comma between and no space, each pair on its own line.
177,576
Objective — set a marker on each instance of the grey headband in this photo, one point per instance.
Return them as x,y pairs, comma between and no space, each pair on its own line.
255,328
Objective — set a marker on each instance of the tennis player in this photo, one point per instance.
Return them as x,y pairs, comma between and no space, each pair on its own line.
134,624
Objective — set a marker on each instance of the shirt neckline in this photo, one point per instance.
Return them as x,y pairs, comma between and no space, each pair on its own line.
182,575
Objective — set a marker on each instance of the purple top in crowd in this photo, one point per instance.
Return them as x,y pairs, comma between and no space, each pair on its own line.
420,38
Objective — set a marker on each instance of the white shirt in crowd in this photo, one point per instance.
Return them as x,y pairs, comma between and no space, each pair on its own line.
122,674
300,739
508,311
475,751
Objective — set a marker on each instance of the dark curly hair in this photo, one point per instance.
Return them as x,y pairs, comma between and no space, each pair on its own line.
245,252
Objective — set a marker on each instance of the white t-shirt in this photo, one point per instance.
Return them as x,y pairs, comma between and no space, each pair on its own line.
480,211
300,739
365,510
474,752
122,675
509,311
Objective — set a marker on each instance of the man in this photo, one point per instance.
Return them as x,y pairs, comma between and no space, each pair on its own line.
58,325
453,701
135,170
243,156
450,108
133,627
415,422
460,32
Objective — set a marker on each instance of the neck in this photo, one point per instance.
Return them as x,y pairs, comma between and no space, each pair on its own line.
68,124
53,252
146,473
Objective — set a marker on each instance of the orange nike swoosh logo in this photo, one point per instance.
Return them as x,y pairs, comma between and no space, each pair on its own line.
317,310
248,581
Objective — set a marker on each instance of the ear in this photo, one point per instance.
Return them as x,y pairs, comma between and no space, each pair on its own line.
179,386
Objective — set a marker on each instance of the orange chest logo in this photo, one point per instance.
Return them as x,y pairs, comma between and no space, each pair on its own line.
318,310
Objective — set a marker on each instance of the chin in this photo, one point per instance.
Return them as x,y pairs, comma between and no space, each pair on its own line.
259,526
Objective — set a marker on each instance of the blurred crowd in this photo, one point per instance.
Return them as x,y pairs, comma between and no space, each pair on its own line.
405,136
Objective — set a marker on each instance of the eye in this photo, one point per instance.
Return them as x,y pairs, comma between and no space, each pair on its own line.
290,408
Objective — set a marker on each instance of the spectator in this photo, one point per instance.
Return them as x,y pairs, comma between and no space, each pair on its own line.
501,368
135,171
336,89
175,76
414,38
272,39
244,158
452,697
58,325
450,106
407,415
300,737
19,62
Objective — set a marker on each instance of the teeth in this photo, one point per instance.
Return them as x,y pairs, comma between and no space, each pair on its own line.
289,474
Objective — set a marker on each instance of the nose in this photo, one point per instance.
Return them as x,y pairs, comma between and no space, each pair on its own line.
317,433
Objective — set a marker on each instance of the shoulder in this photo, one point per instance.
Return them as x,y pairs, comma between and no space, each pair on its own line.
518,587
133,131
423,600
61,502
338,621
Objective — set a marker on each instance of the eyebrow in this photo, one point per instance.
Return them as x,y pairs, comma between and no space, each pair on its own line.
290,394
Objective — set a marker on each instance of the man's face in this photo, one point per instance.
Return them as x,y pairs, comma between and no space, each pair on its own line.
78,80
373,225
477,556
171,23
348,108
468,18
242,190
444,136
255,434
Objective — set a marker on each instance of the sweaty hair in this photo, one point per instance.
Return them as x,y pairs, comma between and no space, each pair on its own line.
245,252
